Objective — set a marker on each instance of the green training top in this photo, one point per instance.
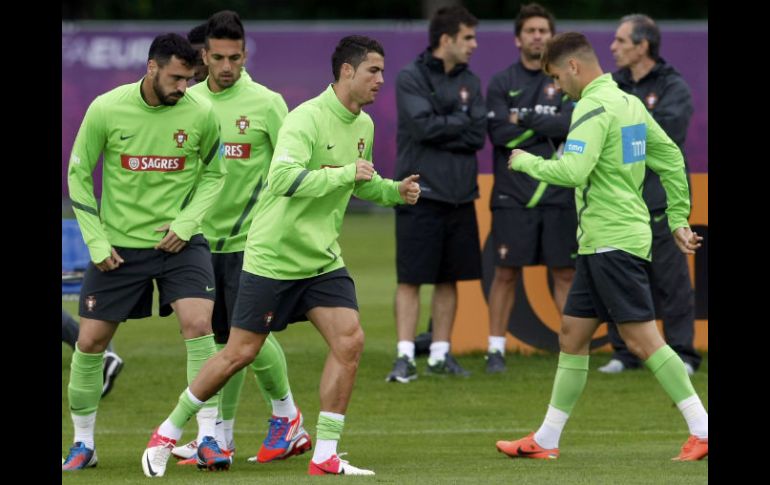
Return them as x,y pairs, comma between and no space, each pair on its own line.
250,116
611,139
162,164
312,176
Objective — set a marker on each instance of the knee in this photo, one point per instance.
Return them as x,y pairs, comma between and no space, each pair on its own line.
91,345
350,345
238,356
506,276
570,341
197,326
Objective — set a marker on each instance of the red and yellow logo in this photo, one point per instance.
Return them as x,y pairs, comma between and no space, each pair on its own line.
180,137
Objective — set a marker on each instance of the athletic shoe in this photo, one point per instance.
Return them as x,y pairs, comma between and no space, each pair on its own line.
156,455
79,458
211,456
404,370
495,362
335,466
185,452
113,364
527,448
284,439
693,449
614,366
447,366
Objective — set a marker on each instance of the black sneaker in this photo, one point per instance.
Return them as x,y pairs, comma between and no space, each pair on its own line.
403,371
447,366
495,362
112,367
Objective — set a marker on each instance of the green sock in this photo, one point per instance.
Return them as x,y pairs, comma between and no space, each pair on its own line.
86,381
271,372
329,428
231,393
199,350
184,410
570,380
669,370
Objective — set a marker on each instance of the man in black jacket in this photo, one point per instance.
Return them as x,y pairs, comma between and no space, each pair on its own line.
646,75
532,222
441,125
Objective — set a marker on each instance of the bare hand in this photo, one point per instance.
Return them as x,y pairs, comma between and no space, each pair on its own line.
687,240
514,118
111,262
364,170
516,152
170,242
409,189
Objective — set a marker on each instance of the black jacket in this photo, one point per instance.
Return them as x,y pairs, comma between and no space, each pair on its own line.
668,100
544,119
441,126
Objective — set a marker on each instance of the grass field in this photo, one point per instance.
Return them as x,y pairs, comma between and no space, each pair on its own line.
434,430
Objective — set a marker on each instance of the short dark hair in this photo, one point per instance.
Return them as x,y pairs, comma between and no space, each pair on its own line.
533,10
166,45
225,24
198,34
447,20
562,45
352,50
643,27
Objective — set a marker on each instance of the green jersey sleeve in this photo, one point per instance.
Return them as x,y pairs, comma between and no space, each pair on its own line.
582,149
665,159
210,181
289,176
88,146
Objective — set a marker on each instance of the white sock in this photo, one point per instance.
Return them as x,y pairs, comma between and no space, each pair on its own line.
227,426
207,420
168,430
84,429
405,347
219,433
285,407
550,431
696,416
438,351
324,449
496,344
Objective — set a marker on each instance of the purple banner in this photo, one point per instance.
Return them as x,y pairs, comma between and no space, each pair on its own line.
295,61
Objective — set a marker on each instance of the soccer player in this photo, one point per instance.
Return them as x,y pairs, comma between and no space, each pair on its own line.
532,222
293,267
250,116
612,139
162,171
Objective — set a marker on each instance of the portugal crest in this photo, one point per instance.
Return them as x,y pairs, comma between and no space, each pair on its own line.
180,137
651,100
361,146
242,123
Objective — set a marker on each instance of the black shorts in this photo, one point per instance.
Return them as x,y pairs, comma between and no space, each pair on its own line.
266,305
437,242
613,287
227,275
527,237
126,292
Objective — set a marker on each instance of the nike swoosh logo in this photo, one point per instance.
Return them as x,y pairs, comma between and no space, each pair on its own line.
149,467
658,218
329,147
526,453
513,93
210,289
126,137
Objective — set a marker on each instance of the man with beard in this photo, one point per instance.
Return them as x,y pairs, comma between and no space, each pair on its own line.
163,169
532,222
